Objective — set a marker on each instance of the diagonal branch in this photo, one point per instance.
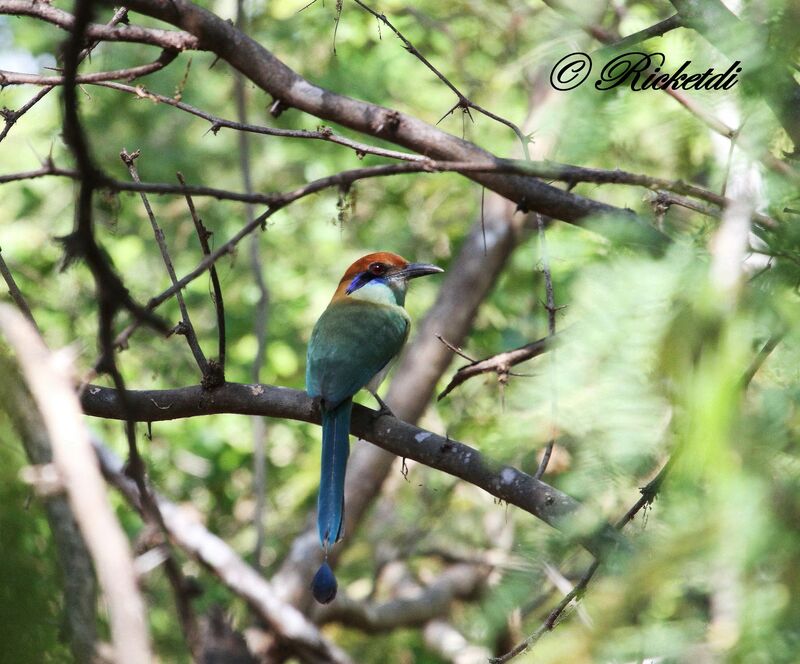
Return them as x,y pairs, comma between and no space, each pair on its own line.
723,29
191,536
400,438
648,495
499,364
463,101
179,41
185,328
15,293
216,373
273,76
11,117
15,78
657,30
217,123
51,387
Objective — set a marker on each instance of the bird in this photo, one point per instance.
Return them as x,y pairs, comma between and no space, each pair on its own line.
351,347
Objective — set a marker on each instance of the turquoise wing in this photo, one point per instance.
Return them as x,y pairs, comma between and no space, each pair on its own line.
351,342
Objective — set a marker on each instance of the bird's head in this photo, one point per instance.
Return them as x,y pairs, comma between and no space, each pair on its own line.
381,269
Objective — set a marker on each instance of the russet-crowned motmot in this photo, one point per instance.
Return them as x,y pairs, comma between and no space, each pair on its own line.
351,347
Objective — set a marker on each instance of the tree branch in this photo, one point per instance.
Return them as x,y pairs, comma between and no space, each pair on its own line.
550,306
463,101
216,368
657,30
500,363
178,41
217,123
398,437
15,78
274,77
15,293
49,382
456,582
287,622
542,169
10,117
723,29
649,494
78,578
186,329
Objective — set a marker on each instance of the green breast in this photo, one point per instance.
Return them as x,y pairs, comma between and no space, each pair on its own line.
351,342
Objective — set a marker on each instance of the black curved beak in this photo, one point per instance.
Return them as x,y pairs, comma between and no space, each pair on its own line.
414,270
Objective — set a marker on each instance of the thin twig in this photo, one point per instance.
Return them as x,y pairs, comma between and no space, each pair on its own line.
539,169
15,292
463,101
649,493
499,363
128,74
171,39
664,198
215,375
11,117
217,123
551,330
186,329
762,356
260,318
657,30
455,349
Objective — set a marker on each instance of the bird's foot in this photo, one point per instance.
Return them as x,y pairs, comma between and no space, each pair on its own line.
384,408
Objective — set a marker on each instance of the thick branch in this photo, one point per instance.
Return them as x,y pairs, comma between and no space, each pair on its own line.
398,437
80,586
274,77
288,623
72,453
458,581
170,39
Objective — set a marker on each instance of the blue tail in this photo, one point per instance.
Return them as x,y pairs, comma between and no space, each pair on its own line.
335,450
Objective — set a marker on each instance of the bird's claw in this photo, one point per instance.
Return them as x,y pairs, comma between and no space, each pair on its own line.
383,410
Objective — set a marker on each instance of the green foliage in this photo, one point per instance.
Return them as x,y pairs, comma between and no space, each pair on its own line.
30,605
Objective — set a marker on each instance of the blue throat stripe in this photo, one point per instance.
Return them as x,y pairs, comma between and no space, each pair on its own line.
362,279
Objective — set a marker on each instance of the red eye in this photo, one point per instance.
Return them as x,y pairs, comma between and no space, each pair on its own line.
377,269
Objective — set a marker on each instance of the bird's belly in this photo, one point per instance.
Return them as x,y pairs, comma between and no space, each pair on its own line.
375,382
